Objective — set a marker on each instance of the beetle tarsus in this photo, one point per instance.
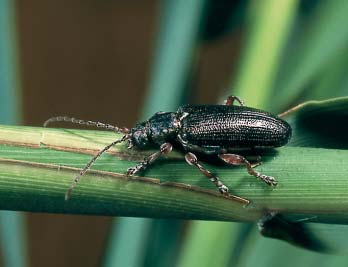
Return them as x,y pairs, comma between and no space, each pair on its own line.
223,189
132,170
267,179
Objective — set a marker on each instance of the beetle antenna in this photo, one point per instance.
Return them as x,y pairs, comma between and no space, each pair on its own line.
84,122
88,165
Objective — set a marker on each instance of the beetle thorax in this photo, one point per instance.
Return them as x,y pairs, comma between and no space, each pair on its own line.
160,128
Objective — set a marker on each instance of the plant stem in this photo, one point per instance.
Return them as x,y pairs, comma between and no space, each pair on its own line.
34,177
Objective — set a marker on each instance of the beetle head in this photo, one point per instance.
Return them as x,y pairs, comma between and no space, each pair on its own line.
140,135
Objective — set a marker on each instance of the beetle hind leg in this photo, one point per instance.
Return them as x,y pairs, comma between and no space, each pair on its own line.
234,159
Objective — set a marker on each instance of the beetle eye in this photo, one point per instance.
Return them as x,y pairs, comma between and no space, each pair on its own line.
139,138
137,134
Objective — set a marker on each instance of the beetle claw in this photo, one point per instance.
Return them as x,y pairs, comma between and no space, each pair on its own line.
223,189
131,171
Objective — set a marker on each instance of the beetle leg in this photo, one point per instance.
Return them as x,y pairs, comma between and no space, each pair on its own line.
230,100
164,149
254,161
234,159
191,159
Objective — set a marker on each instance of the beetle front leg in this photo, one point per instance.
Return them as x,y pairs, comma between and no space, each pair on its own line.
234,159
164,149
191,159
230,100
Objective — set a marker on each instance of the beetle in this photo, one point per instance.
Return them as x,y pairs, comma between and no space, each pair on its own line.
220,130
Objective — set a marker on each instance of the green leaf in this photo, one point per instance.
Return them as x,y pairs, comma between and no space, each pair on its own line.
332,80
269,26
322,39
34,177
320,123
208,244
13,234
176,45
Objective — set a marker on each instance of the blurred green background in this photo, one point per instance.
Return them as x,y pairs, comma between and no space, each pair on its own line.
121,61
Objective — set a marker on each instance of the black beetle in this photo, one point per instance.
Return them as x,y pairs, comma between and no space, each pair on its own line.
207,129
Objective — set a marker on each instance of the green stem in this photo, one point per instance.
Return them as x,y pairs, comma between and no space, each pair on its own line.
34,177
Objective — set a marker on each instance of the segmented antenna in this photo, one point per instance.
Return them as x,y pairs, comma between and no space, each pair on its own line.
88,123
88,165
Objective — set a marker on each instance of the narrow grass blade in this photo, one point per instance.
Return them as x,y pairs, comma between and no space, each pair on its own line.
319,123
123,241
332,80
311,181
269,26
9,82
176,49
324,38
208,244
12,224
178,33
270,252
